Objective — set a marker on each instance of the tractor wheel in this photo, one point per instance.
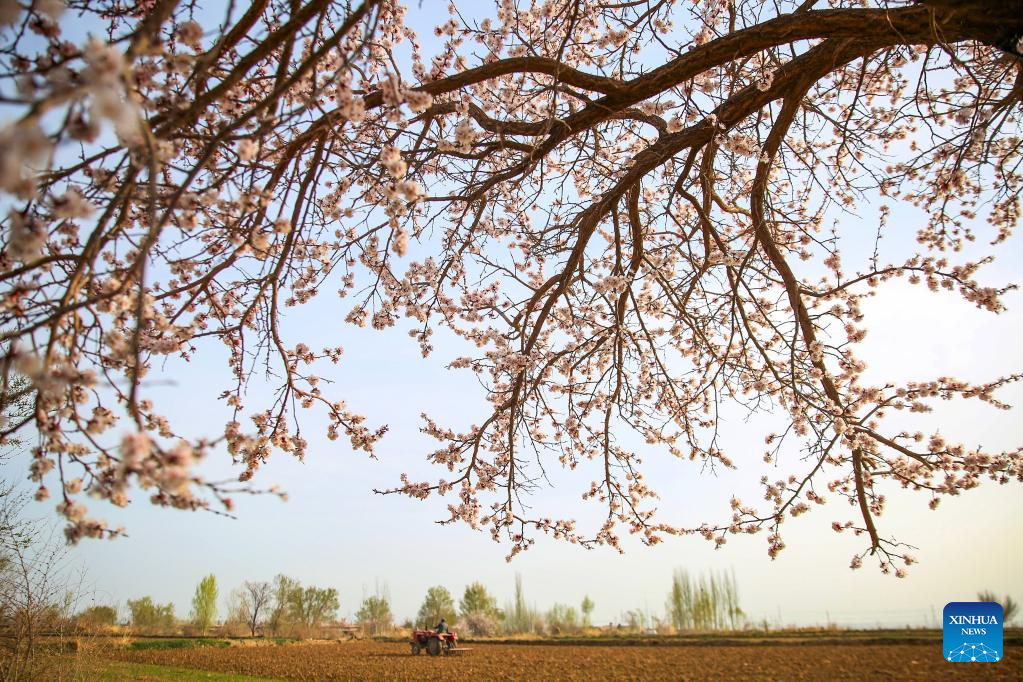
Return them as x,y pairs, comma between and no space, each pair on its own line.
416,648
433,646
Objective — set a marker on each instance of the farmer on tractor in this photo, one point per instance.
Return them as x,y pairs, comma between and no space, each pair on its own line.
440,640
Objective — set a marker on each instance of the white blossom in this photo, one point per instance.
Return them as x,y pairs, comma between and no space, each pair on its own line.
400,245
26,237
72,205
464,134
247,149
418,101
190,33
391,159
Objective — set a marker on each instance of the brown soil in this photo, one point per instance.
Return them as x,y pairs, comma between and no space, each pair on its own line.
391,661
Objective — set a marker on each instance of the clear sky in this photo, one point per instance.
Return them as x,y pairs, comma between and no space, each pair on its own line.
336,532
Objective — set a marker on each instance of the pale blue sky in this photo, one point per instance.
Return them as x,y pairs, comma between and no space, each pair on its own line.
335,532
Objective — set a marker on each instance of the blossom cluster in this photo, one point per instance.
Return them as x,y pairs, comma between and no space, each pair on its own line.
624,249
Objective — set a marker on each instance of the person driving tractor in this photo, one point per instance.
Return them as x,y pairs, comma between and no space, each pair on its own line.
442,626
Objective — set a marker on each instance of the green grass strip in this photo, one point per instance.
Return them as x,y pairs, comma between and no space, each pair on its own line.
144,644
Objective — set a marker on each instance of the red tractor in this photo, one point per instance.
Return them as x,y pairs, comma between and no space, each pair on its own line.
434,642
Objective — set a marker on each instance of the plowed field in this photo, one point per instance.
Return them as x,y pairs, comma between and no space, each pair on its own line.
391,661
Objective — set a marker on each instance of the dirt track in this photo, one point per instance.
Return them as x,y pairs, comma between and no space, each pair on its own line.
387,661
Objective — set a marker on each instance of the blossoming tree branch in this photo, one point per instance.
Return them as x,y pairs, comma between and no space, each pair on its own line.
624,246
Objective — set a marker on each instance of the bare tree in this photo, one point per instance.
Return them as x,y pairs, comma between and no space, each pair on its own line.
256,597
624,209
38,591
1009,605
39,587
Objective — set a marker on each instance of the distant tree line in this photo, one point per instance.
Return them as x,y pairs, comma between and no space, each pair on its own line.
281,607
284,607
